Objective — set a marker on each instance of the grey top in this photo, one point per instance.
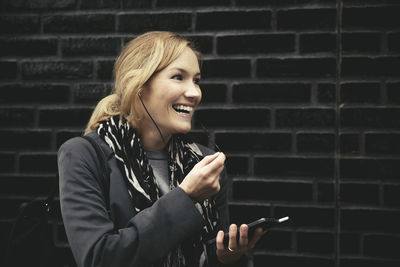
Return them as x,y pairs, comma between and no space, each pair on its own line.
159,163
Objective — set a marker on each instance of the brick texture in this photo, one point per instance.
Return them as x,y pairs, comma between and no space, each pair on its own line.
307,112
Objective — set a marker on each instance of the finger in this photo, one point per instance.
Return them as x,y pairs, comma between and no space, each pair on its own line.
207,159
257,235
244,238
232,237
220,240
216,165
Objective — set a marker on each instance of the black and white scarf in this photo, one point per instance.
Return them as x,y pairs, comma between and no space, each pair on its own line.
142,185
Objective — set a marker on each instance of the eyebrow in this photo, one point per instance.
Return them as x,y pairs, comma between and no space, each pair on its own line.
185,71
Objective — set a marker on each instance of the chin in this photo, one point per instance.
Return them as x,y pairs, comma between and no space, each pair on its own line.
184,129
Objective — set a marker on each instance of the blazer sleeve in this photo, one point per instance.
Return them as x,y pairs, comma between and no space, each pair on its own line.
147,238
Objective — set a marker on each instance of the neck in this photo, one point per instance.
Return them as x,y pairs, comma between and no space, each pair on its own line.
151,138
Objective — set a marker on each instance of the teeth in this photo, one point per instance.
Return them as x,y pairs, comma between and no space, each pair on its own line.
183,108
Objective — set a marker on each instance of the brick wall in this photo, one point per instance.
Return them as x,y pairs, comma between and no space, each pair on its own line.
302,96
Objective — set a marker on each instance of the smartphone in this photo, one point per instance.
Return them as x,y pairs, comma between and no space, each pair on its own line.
264,223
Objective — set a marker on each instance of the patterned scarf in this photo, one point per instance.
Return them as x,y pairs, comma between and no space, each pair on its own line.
142,185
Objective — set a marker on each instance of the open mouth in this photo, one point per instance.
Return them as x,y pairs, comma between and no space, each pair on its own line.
183,109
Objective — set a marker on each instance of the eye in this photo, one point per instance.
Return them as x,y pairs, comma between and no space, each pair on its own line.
177,77
196,81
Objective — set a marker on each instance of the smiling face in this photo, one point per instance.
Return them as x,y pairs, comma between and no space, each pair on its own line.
171,97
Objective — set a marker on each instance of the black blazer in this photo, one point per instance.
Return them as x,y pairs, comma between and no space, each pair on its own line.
141,238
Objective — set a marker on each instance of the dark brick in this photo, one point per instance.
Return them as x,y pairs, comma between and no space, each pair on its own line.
391,195
32,186
299,67
368,262
192,3
325,192
350,243
203,43
272,191
247,213
306,19
94,4
39,5
20,117
105,69
371,169
63,136
25,140
371,17
29,93
136,4
349,143
233,20
91,93
255,43
212,93
7,162
64,117
326,93
92,23
315,142
271,93
301,216
65,256
292,260
393,93
316,43
356,193
370,118
245,117
360,93
61,235
275,240
138,23
38,163
5,230
19,24
393,42
265,142
367,67
9,208
90,46
315,242
237,165
370,220
226,68
28,47
370,2
305,118
383,246
361,42
298,167
386,144
199,137
278,2
8,70
65,70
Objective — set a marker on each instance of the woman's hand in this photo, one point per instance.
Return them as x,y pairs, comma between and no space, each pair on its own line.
234,251
203,180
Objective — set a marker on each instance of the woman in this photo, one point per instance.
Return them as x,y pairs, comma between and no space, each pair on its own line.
167,195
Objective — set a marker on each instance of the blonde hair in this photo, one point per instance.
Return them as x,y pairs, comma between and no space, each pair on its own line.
139,60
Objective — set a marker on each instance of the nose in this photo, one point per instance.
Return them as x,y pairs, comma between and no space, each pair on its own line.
193,91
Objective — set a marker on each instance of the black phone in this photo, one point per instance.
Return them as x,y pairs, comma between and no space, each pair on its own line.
264,223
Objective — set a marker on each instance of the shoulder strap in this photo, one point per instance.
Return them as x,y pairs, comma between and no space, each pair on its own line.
104,168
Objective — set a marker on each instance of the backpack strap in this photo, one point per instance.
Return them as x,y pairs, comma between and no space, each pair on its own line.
104,169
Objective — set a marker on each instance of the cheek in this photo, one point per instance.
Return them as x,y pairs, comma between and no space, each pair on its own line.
201,95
